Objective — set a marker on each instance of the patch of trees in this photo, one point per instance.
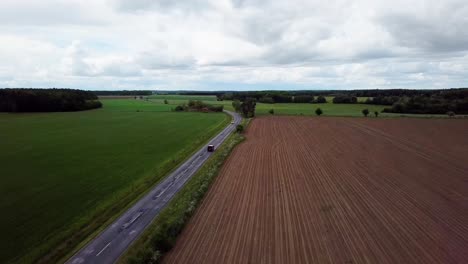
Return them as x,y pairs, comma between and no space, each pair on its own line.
267,100
247,107
321,100
47,100
344,99
198,106
279,98
303,99
435,104
382,100
123,93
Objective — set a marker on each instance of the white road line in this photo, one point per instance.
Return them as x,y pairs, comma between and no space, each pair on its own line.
104,248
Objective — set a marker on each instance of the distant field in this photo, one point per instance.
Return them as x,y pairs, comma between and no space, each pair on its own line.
329,109
183,97
60,170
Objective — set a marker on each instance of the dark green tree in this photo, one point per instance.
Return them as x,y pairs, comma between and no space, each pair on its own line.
236,104
248,107
318,111
365,112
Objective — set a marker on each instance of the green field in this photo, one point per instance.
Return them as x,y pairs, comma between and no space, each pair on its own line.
329,109
64,172
183,97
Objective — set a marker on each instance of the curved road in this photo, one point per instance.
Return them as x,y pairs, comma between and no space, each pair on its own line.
108,246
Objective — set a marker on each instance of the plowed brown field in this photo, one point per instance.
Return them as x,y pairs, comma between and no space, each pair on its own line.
337,190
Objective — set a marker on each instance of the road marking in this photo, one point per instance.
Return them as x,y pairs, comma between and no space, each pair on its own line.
78,261
104,248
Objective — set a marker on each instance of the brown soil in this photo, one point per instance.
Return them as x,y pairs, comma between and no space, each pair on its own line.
337,190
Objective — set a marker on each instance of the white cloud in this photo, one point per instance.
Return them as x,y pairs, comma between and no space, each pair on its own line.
222,44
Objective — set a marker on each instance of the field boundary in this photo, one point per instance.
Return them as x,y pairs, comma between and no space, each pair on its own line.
162,233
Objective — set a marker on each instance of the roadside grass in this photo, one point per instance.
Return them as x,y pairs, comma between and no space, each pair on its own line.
161,235
65,175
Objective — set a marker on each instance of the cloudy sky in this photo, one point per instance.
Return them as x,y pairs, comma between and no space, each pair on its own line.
234,44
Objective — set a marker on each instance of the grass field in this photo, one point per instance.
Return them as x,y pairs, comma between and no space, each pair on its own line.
64,172
183,97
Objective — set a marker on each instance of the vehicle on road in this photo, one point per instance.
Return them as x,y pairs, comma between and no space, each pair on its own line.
210,148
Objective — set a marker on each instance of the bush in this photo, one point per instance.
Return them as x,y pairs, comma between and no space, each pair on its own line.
272,111
451,113
199,106
165,101
239,128
180,108
376,113
365,112
318,111
216,108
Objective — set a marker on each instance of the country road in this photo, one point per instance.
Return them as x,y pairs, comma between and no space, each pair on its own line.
110,244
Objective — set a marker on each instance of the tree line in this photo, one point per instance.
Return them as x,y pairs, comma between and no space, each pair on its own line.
47,100
122,93
198,106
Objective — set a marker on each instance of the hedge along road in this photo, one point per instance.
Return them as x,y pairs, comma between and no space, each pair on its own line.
109,245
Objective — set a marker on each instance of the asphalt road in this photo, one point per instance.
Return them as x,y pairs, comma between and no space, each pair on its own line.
108,246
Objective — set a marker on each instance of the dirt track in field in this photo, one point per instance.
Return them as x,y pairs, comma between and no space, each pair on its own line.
337,190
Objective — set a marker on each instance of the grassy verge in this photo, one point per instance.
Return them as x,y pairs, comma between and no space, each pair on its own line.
161,236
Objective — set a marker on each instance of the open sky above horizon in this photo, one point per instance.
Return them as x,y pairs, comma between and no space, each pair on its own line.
234,44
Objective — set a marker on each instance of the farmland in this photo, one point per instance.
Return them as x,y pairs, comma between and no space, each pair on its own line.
329,109
64,172
336,190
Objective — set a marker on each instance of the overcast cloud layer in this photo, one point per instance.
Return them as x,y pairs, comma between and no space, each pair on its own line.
234,44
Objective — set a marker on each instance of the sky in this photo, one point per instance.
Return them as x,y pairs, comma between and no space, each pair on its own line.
234,44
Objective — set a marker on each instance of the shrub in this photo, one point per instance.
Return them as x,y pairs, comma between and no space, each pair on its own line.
180,108
239,128
216,108
318,111
272,111
165,101
376,113
451,113
365,112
